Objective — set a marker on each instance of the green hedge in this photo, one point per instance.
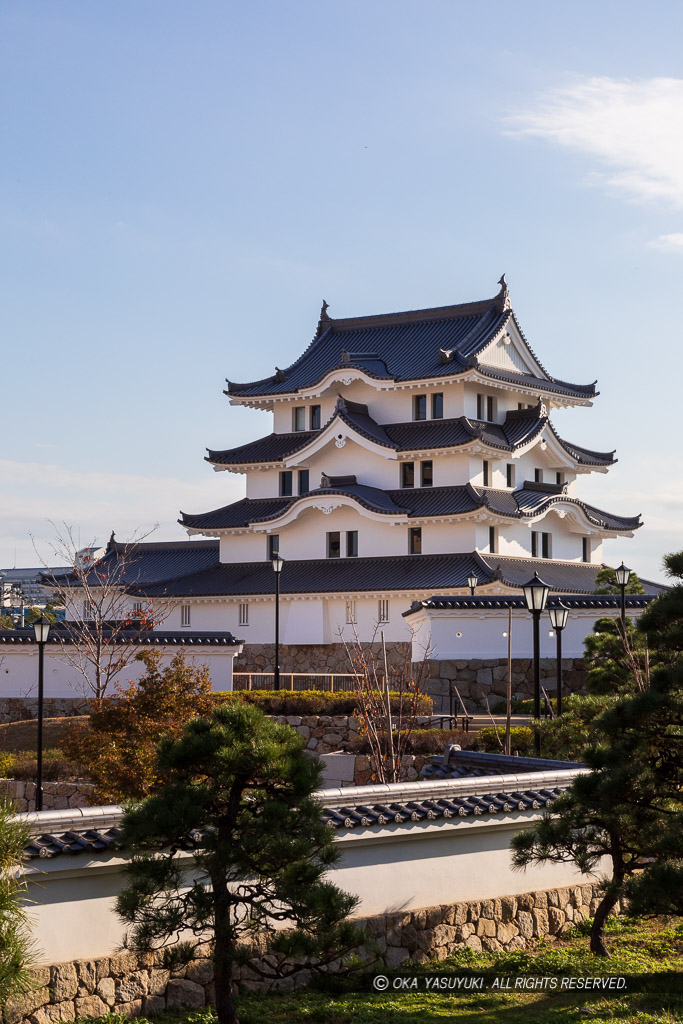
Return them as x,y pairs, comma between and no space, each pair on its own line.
521,739
311,702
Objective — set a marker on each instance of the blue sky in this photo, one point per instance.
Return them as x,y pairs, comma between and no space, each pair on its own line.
182,184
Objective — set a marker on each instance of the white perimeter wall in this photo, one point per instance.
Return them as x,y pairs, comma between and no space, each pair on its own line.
19,670
390,869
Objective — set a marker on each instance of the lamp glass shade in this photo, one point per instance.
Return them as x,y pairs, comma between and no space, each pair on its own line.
277,562
41,628
623,575
535,593
558,616
472,581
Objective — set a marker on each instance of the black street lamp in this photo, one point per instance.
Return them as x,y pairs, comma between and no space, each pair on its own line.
558,620
472,583
277,562
623,575
536,595
42,629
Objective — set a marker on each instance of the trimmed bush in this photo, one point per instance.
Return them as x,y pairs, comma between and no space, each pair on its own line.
521,739
426,741
311,702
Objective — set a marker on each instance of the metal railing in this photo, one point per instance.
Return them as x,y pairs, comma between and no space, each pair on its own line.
333,682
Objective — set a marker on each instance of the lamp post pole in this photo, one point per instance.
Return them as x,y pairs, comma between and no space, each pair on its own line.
277,562
623,575
536,595
558,620
472,583
42,629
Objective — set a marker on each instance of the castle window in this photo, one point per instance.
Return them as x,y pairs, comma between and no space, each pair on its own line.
437,406
352,543
273,545
585,549
244,613
137,607
486,408
486,472
419,407
383,610
510,470
299,417
538,476
303,481
415,540
407,474
351,613
559,479
540,545
492,540
334,544
315,417
426,474
285,483
185,614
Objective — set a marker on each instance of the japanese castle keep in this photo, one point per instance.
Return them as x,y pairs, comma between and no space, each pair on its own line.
409,452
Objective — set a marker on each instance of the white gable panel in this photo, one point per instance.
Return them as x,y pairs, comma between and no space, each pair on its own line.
505,355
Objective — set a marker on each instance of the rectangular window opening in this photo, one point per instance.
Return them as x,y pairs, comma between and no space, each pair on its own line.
490,409
437,406
559,479
352,543
185,614
407,474
586,549
492,540
315,417
426,474
538,476
303,481
351,613
419,407
285,483
510,471
334,544
415,540
383,610
299,417
273,546
244,613
486,472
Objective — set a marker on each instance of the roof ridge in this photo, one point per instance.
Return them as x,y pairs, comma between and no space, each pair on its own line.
413,315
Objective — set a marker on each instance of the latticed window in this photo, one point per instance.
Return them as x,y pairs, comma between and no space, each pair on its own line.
185,615
383,610
351,612
244,613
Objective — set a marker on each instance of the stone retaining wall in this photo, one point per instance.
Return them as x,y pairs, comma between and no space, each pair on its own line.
478,679
22,709
57,796
312,657
135,985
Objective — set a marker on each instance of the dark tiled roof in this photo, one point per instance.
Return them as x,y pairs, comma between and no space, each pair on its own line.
61,634
404,573
367,815
416,502
563,577
518,429
594,601
413,345
466,764
89,841
146,562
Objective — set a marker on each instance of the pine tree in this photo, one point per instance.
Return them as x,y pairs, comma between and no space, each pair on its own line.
239,797
16,953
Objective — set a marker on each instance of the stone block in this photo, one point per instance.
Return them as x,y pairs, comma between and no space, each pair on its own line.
433,916
459,913
419,919
102,968
474,942
181,992
395,955
63,982
541,900
490,944
540,922
409,937
485,677
106,990
473,911
153,1004
444,935
91,1006
508,908
425,939
486,908
124,963
485,926
505,932
132,986
556,920
131,1009
463,931
525,923
200,971
87,975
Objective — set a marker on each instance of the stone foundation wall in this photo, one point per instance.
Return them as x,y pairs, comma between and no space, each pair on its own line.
57,796
134,985
22,709
311,657
478,679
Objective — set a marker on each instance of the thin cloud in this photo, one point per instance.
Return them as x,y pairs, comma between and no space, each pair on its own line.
669,243
631,126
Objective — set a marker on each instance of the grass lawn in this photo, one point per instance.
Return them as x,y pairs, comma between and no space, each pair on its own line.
16,737
638,948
